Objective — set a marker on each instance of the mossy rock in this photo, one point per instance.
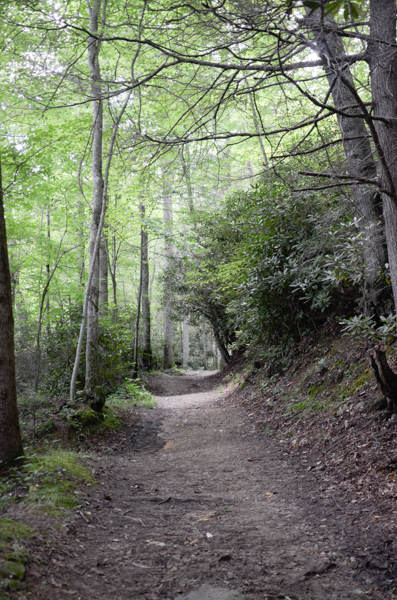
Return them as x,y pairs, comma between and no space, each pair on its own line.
85,417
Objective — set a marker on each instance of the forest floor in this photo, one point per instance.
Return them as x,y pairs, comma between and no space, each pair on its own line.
194,501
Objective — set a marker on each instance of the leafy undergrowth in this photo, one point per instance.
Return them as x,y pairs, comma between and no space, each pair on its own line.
46,420
323,412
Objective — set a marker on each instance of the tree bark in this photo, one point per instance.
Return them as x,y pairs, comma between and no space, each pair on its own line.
146,342
257,128
168,252
81,240
10,435
112,271
383,68
91,375
204,343
103,276
186,164
137,319
185,343
356,144
385,377
222,350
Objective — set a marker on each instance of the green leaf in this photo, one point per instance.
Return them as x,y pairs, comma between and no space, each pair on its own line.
311,4
333,7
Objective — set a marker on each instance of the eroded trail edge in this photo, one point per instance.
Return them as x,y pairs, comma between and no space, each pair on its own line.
193,497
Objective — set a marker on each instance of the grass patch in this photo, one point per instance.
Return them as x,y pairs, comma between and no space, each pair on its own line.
12,530
131,394
356,385
52,480
312,403
173,371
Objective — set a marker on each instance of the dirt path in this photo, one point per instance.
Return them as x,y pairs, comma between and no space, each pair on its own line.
192,498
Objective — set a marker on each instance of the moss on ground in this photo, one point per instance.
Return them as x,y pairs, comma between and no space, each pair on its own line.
13,555
356,384
53,479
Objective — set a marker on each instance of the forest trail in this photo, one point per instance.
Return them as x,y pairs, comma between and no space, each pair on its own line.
195,506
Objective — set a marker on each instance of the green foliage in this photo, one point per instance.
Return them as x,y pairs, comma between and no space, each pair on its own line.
268,257
174,371
381,329
114,351
131,393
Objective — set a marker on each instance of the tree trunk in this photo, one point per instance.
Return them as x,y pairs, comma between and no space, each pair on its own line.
187,175
81,240
356,143
385,377
47,304
383,68
112,270
146,342
137,319
10,436
257,128
222,350
215,356
204,342
168,252
103,276
91,375
185,343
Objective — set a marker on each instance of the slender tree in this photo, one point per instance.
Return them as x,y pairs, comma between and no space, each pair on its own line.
146,341
168,253
94,45
103,275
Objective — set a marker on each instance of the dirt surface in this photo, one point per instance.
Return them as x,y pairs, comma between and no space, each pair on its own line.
191,496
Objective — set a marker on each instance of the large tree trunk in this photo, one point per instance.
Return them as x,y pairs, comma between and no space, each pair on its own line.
383,68
356,143
225,356
91,376
168,252
147,346
10,436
